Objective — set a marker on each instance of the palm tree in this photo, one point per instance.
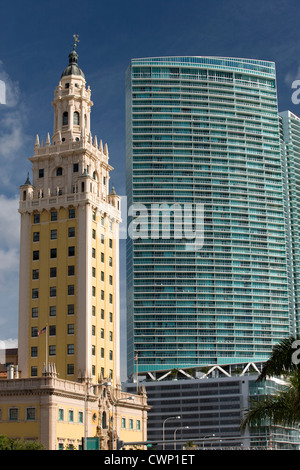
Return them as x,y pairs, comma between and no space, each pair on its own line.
282,408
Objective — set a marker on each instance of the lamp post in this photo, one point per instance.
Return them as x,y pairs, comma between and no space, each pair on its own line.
183,427
171,417
112,415
206,437
85,403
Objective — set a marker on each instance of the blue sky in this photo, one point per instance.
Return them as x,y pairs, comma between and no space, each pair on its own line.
35,40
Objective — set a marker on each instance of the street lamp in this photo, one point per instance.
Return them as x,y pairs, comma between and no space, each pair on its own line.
85,403
183,427
171,417
206,437
112,414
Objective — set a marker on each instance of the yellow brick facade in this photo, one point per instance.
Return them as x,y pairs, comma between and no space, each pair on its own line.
69,318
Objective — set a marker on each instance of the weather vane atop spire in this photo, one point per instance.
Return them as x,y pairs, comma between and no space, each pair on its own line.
76,40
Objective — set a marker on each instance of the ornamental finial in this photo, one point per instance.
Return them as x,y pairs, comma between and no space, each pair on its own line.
76,40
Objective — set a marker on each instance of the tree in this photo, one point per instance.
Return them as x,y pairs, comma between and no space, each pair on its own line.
8,443
282,408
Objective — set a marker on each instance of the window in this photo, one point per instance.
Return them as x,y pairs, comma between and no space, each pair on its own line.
53,235
93,272
110,298
110,336
71,250
102,257
41,173
110,280
71,289
30,414
110,243
102,294
36,236
53,216
138,425
130,423
93,310
93,330
52,311
102,276
53,272
36,218
75,168
102,314
71,328
93,291
80,417
71,416
36,255
93,350
34,312
34,351
65,119
123,423
34,331
35,274
110,317
33,371
52,350
71,213
70,348
76,118
13,414
110,355
102,238
94,215
102,333
52,291
102,221
71,309
53,253
52,330
102,353
60,414
35,293
94,234
70,369
94,252
71,270
71,232
59,171
110,261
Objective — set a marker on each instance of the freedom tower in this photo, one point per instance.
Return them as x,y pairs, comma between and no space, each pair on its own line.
205,132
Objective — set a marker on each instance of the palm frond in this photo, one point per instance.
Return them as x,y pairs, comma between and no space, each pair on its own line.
280,362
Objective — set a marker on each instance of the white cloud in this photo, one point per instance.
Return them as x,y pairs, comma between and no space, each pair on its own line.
9,267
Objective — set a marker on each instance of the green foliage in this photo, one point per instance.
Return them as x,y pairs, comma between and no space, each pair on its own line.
8,443
282,408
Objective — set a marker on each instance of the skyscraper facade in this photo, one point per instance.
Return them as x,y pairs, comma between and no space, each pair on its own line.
205,132
69,258
290,137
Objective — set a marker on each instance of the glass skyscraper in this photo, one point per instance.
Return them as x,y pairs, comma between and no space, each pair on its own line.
205,131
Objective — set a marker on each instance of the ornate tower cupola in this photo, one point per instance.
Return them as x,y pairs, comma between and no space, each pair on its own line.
72,103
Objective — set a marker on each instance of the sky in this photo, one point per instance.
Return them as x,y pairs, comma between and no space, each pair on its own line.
35,40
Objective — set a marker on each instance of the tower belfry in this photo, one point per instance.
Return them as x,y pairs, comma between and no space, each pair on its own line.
69,265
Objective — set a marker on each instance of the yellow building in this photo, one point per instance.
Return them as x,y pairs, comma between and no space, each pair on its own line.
69,287
61,413
69,262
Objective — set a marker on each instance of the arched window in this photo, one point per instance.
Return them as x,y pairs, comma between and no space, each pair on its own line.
103,420
65,118
59,171
76,118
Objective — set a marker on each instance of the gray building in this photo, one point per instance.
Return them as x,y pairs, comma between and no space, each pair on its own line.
206,408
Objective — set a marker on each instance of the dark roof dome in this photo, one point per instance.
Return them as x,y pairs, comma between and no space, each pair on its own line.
73,68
